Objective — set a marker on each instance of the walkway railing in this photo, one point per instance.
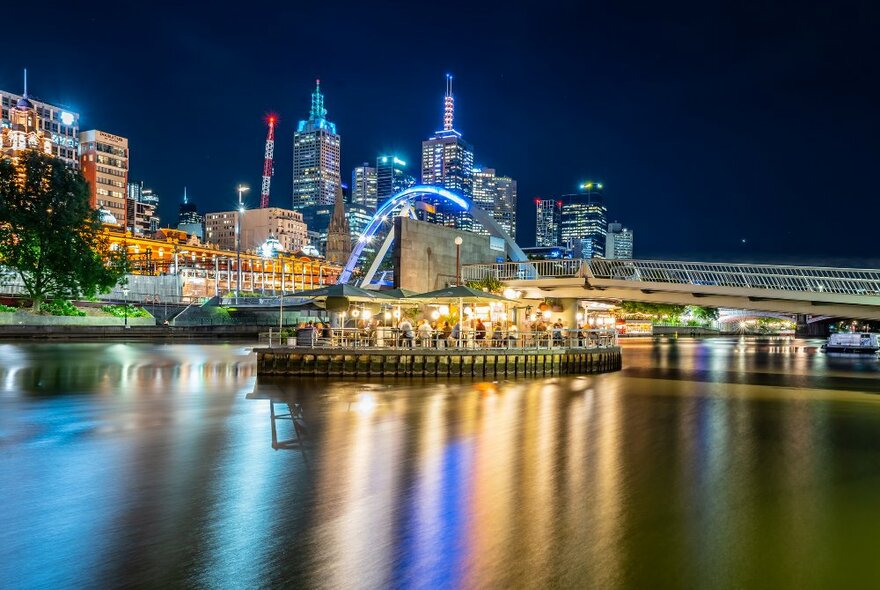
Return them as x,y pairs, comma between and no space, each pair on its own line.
813,279
393,339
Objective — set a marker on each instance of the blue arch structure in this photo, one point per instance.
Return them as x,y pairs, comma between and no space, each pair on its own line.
410,194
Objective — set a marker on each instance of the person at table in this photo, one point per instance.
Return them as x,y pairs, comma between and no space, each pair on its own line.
406,332
480,332
498,334
445,334
455,335
425,332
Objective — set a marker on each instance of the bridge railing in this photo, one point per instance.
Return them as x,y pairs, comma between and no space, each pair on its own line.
845,281
530,270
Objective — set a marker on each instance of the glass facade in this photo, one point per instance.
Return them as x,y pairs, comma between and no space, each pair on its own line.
547,213
584,222
363,186
391,177
316,158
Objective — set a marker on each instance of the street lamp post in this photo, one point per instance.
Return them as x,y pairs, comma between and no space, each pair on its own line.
458,242
241,189
125,306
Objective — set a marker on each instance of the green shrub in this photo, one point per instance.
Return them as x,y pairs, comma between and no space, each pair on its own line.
7,309
119,311
61,307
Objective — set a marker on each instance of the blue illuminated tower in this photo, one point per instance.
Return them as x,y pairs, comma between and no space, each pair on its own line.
316,157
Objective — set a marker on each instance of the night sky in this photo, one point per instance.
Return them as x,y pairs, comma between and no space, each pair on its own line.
709,124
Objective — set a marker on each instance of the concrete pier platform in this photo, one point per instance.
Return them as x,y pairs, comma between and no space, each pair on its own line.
333,362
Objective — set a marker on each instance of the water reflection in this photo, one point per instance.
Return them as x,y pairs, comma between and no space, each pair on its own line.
728,463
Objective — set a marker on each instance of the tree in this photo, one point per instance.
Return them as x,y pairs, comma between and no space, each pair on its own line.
705,314
50,236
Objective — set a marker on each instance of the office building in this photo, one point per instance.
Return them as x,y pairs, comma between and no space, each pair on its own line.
583,222
284,225
505,204
363,186
448,161
316,157
391,177
359,217
317,219
189,220
29,124
497,196
618,242
104,164
141,207
221,229
547,215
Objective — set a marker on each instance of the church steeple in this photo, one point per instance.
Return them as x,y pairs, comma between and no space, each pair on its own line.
338,233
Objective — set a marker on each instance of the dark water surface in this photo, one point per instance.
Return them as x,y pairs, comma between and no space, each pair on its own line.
720,463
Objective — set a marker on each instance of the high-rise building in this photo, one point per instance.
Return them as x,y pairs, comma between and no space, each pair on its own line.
148,197
221,229
547,214
258,225
618,242
584,223
359,217
141,214
28,124
363,186
104,164
497,196
316,157
189,220
505,204
448,161
391,177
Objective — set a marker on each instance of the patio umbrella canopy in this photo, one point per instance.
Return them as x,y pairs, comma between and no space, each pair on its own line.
398,293
348,291
460,292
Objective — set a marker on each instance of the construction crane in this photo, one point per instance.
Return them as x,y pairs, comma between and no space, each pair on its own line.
268,166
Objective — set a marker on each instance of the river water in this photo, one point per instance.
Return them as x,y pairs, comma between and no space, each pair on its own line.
719,463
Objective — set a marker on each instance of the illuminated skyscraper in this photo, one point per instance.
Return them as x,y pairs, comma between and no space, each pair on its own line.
618,242
448,161
363,186
497,196
547,213
391,177
584,223
316,157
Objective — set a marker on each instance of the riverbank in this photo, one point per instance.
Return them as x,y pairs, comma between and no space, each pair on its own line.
77,333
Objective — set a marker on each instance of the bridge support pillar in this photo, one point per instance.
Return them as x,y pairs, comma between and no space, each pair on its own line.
570,309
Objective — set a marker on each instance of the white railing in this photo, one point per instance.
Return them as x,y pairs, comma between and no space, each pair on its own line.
392,338
812,279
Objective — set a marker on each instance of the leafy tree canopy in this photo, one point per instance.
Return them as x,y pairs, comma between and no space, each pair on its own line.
50,236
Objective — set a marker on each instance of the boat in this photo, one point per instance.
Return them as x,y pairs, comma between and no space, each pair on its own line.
853,343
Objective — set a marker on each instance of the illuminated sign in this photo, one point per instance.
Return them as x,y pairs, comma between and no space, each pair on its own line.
111,138
496,243
67,118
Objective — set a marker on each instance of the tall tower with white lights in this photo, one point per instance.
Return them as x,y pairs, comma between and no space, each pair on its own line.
448,161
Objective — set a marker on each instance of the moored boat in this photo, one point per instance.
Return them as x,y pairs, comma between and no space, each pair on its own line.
853,343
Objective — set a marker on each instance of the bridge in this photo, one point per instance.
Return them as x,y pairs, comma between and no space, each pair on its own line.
807,290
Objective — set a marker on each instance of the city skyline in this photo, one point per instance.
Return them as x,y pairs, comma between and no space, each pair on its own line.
695,141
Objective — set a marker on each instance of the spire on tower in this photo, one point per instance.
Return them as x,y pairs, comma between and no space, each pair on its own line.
318,110
448,105
184,196
25,83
